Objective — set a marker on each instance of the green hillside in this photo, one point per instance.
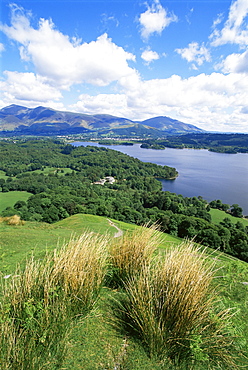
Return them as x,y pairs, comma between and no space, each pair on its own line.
93,343
19,242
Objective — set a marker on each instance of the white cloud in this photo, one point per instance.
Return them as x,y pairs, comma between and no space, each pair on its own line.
148,55
236,62
155,19
214,102
27,87
2,48
195,53
218,20
113,104
66,62
188,16
235,30
106,19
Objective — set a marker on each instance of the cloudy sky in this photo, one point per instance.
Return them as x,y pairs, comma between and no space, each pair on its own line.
136,59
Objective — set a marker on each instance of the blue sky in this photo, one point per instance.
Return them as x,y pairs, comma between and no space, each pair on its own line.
136,59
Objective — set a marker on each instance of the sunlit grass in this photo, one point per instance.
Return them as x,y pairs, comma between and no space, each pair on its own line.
218,216
167,314
9,198
40,303
172,307
129,253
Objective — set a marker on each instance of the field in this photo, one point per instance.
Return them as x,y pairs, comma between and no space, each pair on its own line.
51,170
93,343
2,175
10,198
218,216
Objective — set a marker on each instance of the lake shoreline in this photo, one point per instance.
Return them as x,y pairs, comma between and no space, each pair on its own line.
204,173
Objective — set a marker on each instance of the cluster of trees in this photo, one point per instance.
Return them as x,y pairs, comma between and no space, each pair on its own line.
235,210
135,197
222,143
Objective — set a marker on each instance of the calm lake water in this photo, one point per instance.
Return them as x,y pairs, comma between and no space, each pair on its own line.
211,175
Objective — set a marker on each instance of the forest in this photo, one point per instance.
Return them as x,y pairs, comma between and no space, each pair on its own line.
60,179
216,142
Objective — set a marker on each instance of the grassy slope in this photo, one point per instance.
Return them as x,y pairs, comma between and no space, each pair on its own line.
218,216
102,351
18,242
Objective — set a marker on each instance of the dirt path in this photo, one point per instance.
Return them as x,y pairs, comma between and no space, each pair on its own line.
119,231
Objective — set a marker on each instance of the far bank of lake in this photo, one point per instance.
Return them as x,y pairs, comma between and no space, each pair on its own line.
201,173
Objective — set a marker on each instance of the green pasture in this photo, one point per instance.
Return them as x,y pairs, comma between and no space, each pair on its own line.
19,242
46,171
218,216
2,175
54,170
8,199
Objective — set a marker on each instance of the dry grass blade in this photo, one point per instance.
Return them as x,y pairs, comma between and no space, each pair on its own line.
172,307
39,303
80,267
14,220
129,253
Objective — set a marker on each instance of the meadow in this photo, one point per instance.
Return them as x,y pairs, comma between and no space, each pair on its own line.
10,198
218,216
90,336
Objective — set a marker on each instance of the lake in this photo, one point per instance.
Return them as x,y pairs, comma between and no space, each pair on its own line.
211,175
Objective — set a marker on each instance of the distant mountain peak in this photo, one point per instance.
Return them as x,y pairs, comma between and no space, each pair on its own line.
21,120
166,123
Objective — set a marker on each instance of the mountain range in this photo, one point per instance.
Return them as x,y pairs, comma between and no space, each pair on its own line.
19,120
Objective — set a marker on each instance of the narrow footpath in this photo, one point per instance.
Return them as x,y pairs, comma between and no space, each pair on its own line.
119,231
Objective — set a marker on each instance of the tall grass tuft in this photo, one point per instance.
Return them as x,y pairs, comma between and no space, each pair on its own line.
80,268
14,220
172,307
130,252
40,303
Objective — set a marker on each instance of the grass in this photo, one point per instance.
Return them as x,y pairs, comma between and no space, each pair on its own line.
92,343
39,304
19,242
171,306
130,252
218,216
3,175
10,198
36,238
52,170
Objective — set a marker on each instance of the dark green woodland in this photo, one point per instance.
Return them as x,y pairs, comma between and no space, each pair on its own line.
61,181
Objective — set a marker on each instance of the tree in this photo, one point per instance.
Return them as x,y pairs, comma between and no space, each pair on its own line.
50,215
8,212
209,237
19,204
236,210
227,223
